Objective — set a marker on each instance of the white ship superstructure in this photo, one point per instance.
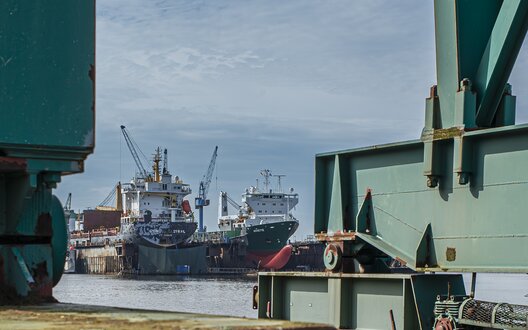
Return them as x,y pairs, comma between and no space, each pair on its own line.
154,209
264,223
258,207
155,201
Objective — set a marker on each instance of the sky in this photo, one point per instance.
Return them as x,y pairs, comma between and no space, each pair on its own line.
271,83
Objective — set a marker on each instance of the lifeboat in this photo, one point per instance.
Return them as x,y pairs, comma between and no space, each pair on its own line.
186,206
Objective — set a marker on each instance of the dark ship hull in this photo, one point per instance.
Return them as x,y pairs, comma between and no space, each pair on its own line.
157,233
267,244
267,239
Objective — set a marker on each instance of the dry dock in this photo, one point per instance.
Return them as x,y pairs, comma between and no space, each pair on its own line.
73,316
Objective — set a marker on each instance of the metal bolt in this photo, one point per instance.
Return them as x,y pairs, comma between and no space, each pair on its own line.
465,84
463,178
508,89
432,181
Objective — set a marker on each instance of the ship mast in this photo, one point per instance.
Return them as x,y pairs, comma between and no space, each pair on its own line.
165,162
279,186
156,165
119,197
266,174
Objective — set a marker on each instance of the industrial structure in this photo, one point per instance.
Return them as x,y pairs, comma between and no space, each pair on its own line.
134,151
452,201
47,96
201,200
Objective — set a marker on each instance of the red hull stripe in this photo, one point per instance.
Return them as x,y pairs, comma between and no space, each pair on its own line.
275,260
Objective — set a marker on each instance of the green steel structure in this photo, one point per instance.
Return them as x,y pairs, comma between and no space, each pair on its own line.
453,201
47,101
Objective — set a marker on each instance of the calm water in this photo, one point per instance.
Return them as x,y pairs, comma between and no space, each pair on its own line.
227,296
220,296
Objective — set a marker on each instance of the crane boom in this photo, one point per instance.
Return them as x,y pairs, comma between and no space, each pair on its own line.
67,205
201,200
232,201
133,151
109,198
206,180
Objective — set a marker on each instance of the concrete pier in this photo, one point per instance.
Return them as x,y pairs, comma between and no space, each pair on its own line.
73,316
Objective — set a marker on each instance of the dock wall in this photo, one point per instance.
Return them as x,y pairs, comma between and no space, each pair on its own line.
98,260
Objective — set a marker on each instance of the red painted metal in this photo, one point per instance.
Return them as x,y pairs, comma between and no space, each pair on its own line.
97,219
186,206
277,260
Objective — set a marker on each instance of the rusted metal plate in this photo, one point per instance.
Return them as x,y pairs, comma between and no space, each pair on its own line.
336,237
10,164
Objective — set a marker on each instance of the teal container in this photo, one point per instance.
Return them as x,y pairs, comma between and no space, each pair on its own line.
47,129
47,78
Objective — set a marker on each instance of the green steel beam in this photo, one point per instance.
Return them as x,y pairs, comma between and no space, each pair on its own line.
470,216
355,301
469,213
483,55
499,57
474,227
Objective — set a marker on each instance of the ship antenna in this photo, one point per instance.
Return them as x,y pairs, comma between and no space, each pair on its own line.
279,186
165,162
266,174
155,165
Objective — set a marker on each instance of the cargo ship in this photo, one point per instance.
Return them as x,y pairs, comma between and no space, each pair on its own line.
154,210
146,232
263,223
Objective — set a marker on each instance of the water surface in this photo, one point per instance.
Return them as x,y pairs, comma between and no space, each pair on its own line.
220,296
227,296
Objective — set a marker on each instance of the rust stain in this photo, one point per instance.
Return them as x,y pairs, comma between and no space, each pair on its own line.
338,236
43,285
43,227
40,291
11,164
447,133
450,254
402,262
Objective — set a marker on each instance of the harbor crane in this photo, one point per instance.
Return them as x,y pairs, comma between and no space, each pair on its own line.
201,200
114,197
224,199
232,201
133,147
67,205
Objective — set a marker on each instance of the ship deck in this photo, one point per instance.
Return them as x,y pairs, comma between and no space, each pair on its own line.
74,316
